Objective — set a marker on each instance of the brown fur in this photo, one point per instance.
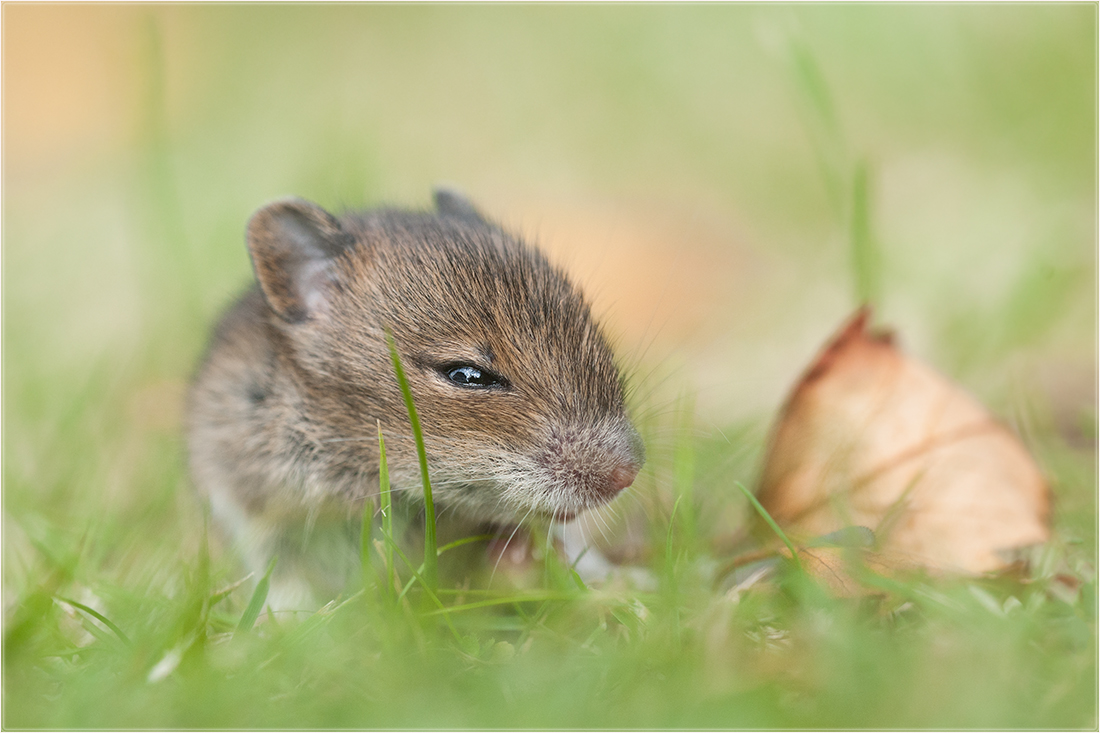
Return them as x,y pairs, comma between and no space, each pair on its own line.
282,415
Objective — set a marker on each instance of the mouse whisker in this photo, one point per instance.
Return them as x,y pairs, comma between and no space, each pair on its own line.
586,531
549,531
505,548
635,497
600,525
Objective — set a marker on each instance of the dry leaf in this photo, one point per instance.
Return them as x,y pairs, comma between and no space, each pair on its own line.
870,437
840,561
833,566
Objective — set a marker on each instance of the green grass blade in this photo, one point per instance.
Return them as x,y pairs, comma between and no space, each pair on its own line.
431,572
463,541
218,596
98,617
409,584
771,522
823,123
386,504
847,180
256,603
365,542
577,579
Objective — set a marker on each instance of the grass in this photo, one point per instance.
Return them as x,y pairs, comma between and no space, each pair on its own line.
1006,652
936,161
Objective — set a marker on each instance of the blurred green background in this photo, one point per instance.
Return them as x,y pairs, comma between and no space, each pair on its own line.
706,172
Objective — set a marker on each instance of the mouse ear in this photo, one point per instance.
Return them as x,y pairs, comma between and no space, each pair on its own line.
450,202
294,244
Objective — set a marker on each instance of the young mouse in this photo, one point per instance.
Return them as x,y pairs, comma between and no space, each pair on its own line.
521,404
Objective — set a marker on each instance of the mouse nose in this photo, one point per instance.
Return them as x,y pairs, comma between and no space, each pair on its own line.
620,478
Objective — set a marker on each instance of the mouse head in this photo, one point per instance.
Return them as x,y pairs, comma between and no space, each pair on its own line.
520,400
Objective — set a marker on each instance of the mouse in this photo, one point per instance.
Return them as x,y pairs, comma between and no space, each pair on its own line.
521,402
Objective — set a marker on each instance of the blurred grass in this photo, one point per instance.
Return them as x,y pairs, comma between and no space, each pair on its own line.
938,160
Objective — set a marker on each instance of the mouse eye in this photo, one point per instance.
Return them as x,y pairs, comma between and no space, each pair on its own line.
466,375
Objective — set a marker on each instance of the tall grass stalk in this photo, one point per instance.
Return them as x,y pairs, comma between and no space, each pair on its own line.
866,259
847,177
163,211
431,565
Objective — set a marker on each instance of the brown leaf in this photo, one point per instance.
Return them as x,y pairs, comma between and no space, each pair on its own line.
842,562
845,572
833,567
870,437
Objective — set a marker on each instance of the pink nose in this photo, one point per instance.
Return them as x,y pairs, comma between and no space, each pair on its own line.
620,478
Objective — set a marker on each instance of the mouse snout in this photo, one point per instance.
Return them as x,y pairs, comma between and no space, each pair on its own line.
625,456
617,473
592,465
